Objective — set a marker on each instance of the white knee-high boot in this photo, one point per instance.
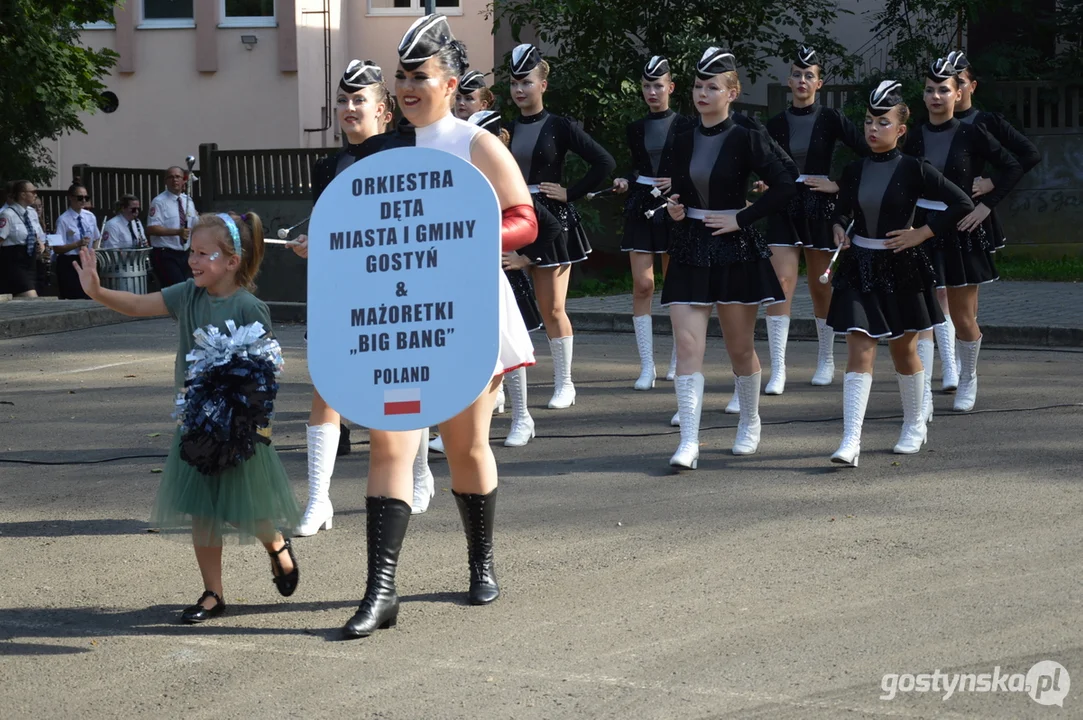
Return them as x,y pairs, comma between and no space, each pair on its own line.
644,328
748,427
563,389
424,483
925,353
322,447
855,398
778,332
522,425
967,394
689,389
825,354
949,365
914,431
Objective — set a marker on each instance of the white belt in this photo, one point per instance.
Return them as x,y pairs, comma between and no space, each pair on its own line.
700,214
869,243
932,204
533,189
644,180
803,178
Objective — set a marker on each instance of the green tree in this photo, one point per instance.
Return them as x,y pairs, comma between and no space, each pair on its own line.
49,79
601,46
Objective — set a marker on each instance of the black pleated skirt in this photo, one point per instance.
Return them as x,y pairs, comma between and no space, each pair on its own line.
18,270
524,297
884,294
572,245
806,223
640,233
706,270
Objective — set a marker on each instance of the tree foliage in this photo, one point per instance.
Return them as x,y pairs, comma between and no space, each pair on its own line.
597,48
49,79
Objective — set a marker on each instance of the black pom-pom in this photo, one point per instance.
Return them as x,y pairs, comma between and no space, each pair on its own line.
225,408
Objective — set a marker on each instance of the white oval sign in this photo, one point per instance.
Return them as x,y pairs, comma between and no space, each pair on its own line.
403,289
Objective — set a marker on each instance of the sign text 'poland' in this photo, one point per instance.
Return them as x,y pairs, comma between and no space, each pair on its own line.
403,272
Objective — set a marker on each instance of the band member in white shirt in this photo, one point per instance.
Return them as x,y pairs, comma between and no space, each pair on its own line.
78,228
172,214
124,230
21,241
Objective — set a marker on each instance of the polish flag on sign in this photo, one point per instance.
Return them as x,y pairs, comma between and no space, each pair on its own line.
402,402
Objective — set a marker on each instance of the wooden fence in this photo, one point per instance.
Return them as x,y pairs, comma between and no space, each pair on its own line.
54,203
250,175
105,185
1036,108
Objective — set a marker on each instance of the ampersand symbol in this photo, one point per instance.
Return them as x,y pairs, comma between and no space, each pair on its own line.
400,290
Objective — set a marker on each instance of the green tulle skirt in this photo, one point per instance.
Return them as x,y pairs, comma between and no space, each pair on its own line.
247,503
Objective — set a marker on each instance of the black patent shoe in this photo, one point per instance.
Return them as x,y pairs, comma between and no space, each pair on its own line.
197,613
285,582
343,440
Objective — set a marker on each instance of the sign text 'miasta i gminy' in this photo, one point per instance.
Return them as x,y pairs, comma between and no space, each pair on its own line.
403,304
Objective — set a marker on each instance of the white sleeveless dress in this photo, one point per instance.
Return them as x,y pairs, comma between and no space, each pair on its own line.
456,136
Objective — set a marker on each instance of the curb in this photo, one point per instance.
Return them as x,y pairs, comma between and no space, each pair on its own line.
61,322
583,320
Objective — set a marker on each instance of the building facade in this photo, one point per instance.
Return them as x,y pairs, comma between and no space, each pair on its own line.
245,74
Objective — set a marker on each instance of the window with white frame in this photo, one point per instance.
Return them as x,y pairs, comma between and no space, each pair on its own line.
168,13
413,7
248,13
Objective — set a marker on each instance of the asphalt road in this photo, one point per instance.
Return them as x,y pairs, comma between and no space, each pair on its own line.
773,586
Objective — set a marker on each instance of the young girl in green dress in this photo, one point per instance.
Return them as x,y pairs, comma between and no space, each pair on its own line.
252,498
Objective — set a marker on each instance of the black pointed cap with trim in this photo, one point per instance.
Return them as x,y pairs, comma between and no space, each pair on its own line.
488,119
715,61
656,68
807,57
885,97
360,74
958,60
942,69
425,38
524,58
471,81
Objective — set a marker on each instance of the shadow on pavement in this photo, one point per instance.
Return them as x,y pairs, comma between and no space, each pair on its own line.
66,528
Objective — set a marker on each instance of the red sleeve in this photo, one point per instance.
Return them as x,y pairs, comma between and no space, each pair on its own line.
518,228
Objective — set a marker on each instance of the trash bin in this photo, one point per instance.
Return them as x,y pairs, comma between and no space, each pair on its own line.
124,269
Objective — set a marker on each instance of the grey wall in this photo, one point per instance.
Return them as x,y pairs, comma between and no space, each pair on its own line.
1043,217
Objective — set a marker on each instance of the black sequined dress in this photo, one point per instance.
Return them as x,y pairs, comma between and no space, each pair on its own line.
540,144
711,171
880,292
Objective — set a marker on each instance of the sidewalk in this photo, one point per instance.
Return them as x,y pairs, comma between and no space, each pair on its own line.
1034,314
19,318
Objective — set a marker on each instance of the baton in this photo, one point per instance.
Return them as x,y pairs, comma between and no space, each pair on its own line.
826,277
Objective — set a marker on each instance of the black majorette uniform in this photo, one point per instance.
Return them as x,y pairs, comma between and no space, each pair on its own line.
1013,141
809,135
540,143
960,152
877,291
711,169
650,141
